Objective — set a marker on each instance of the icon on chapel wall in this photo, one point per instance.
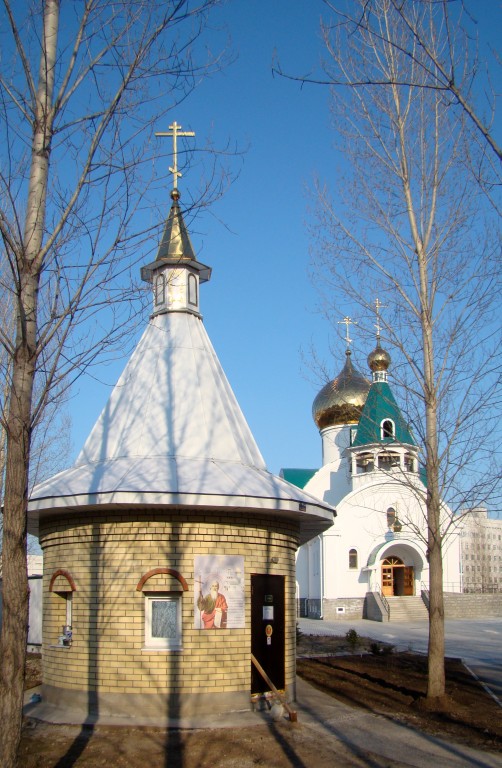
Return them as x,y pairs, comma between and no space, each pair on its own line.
219,592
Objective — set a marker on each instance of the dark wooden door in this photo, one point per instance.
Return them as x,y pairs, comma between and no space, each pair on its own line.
267,630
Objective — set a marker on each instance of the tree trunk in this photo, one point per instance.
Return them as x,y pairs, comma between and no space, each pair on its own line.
15,577
436,670
15,612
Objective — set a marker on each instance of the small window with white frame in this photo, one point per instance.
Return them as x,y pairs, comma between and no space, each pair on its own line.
163,621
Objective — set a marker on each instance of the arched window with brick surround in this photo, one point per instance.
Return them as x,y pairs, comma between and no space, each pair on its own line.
163,589
62,586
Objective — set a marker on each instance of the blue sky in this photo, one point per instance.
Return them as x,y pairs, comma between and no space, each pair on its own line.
260,308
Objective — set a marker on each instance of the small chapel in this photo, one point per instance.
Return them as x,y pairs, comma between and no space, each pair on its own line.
169,548
372,562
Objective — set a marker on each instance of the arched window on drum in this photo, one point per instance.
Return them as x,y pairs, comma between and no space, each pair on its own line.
160,290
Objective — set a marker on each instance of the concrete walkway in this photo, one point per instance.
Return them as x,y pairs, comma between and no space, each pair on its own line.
387,742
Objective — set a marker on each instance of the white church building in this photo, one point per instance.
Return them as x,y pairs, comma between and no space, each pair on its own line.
372,562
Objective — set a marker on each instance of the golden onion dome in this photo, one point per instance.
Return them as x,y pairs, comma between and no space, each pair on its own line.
379,359
341,401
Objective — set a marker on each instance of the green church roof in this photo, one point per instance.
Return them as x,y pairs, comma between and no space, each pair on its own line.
298,477
380,405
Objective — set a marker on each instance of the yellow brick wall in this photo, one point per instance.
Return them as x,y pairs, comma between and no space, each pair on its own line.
108,555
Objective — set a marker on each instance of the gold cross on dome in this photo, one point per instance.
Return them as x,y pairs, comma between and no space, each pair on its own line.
347,321
175,131
378,307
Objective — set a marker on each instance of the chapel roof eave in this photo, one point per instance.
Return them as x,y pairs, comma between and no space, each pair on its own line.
174,483
313,519
383,445
149,270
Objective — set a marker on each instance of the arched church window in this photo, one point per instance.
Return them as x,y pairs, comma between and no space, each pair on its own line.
387,429
160,290
192,290
352,558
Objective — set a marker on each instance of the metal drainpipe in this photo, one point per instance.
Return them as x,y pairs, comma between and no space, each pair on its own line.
321,568
461,564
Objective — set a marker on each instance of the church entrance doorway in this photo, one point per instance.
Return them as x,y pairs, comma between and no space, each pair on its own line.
397,578
267,630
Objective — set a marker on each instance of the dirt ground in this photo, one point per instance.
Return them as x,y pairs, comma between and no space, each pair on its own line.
367,676
395,684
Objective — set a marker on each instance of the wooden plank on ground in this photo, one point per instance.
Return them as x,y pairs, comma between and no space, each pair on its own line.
291,712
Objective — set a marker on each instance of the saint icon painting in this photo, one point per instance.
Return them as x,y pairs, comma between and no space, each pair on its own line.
219,592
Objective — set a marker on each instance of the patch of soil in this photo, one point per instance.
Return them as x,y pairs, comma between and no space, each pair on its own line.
279,745
33,671
395,685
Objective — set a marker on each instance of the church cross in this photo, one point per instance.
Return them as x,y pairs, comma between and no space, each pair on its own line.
175,131
378,307
347,321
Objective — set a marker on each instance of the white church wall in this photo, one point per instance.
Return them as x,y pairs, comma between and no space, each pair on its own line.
335,441
330,483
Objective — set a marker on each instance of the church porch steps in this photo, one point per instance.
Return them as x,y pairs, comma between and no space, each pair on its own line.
407,609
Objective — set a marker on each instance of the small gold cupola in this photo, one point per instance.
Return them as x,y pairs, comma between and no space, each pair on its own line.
379,361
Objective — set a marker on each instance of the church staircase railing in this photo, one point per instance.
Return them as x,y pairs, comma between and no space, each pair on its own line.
383,599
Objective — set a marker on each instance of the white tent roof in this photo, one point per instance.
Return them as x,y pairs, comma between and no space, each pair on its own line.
171,434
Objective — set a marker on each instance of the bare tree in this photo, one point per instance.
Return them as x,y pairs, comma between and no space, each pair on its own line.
444,55
82,88
51,438
411,225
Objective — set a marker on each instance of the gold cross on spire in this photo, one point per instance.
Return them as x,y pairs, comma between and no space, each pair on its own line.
175,131
347,321
378,307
